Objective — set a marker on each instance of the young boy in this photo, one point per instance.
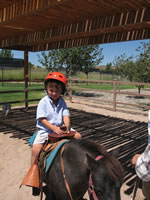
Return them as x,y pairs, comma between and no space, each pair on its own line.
52,112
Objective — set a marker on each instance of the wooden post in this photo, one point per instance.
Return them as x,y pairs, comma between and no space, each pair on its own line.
2,76
70,90
26,76
100,77
114,96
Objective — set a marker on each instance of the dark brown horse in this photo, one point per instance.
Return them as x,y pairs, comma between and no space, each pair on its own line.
79,164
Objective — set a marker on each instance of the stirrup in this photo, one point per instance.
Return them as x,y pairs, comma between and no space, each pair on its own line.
32,177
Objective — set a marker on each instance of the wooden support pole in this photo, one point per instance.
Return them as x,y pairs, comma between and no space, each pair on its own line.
26,76
70,90
2,75
114,96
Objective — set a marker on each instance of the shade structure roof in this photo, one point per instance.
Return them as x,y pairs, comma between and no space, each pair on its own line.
37,25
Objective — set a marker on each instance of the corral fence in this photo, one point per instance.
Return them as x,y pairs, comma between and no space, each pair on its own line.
26,91
113,99
126,99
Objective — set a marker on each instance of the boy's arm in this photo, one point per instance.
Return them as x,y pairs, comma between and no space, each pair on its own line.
47,124
66,120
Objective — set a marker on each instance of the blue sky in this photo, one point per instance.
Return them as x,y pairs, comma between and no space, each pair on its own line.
110,51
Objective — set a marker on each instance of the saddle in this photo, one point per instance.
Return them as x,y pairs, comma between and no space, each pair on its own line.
51,147
53,137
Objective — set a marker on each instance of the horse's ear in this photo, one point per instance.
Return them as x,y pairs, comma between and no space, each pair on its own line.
115,153
92,163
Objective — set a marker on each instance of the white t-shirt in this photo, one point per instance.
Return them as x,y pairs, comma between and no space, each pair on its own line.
54,114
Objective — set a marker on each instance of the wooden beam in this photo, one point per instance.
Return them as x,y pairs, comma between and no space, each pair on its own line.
26,77
127,26
26,7
101,39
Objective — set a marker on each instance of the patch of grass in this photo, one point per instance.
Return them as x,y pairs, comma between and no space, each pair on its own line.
11,86
12,74
34,74
7,97
39,94
105,86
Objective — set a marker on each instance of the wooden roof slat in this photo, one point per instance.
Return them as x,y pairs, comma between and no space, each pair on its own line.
38,38
97,25
25,24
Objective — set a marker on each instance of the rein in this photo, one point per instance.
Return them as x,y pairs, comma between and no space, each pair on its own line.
91,187
63,171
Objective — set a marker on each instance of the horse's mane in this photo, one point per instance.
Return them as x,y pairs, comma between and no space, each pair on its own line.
113,167
89,144
111,163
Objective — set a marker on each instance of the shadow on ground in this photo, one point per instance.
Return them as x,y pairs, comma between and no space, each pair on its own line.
129,136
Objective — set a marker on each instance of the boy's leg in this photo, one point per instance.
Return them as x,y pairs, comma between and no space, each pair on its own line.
36,148
32,176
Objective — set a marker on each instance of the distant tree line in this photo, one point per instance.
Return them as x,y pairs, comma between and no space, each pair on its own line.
87,58
72,60
135,69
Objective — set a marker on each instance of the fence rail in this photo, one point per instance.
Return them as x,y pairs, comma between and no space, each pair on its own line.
116,91
99,100
25,91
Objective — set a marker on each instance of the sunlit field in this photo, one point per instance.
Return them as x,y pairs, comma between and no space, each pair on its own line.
36,74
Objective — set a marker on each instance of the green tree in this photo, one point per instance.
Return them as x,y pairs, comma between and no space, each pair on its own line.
90,57
144,51
73,59
69,60
120,62
49,60
138,70
6,53
108,67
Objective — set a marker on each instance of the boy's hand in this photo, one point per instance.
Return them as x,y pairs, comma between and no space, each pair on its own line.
68,131
58,130
65,129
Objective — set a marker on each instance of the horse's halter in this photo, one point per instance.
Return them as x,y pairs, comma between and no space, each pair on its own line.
91,187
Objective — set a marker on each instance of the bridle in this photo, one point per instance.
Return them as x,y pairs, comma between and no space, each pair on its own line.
91,187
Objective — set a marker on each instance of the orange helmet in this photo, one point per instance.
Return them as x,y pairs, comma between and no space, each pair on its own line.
58,77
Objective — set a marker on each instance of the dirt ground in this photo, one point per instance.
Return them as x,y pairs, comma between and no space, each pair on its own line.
15,160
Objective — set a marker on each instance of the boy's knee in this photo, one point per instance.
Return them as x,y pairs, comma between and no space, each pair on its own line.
36,149
77,135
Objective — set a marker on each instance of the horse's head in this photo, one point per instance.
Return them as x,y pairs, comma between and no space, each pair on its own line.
107,177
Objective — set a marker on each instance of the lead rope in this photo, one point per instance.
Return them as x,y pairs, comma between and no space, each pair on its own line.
136,185
63,171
